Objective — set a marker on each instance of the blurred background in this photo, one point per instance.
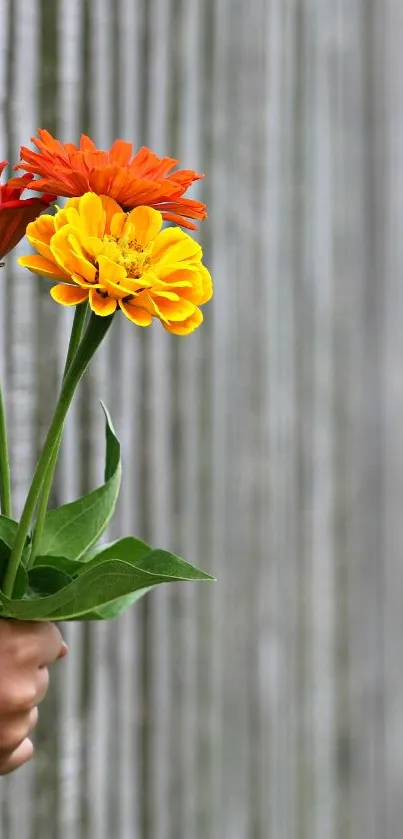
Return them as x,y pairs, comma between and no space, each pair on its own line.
266,448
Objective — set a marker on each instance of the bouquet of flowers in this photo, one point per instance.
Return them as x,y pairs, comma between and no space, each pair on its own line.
107,254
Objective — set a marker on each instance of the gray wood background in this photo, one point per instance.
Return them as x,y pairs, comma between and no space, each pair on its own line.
268,447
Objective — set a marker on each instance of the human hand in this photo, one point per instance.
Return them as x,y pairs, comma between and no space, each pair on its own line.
26,650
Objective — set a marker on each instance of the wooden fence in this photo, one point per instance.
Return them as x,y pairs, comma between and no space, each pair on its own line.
267,448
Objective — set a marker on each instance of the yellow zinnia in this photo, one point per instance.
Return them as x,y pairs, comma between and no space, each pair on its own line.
98,252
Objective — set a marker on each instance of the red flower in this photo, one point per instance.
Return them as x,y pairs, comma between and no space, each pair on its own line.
136,180
17,212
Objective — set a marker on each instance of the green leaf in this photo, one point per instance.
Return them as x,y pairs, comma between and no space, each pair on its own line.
129,549
71,567
5,551
101,582
155,561
116,607
72,529
21,583
21,580
138,553
46,579
163,562
8,529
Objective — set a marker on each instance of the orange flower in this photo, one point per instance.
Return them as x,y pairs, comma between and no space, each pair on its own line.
139,180
97,252
17,212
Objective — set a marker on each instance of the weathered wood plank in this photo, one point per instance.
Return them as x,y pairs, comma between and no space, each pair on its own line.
265,448
392,393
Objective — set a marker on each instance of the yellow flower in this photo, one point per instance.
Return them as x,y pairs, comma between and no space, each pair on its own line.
99,253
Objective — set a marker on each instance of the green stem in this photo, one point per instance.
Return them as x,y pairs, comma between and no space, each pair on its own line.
95,332
77,328
75,338
5,487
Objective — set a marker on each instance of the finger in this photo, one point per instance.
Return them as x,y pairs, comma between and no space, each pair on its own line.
32,719
50,644
64,650
20,755
15,730
25,695
41,684
28,643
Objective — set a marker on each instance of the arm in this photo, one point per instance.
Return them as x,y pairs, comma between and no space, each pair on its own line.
26,651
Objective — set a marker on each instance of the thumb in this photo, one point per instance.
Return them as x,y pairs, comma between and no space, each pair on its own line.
63,651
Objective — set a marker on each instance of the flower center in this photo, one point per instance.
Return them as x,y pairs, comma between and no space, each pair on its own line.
129,253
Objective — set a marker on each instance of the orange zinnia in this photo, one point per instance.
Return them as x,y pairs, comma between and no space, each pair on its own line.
17,212
136,180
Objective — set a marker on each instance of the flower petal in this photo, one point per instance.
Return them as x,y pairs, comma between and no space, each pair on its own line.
39,234
178,272
188,281
118,224
175,310
168,295
109,271
121,152
67,215
68,295
101,305
93,214
136,314
173,245
112,208
147,224
207,285
67,252
185,327
90,246
43,267
113,278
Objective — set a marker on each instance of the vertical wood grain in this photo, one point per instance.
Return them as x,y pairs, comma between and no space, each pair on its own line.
265,448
